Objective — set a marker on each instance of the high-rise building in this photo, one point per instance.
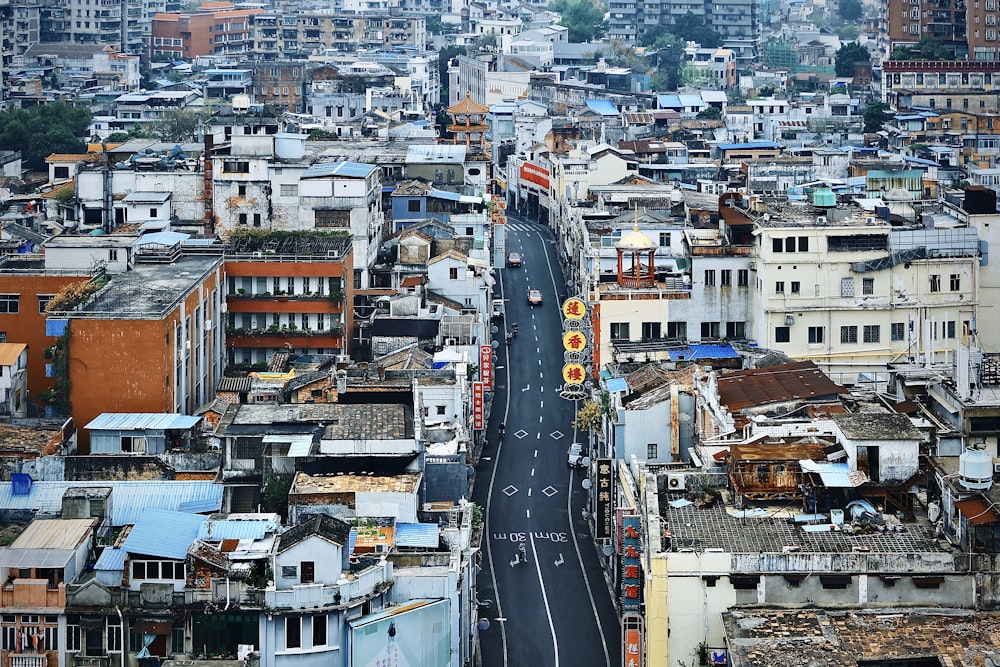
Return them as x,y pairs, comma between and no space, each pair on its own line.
943,20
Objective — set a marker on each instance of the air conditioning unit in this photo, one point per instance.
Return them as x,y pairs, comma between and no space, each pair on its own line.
343,358
789,320
257,255
208,325
821,220
753,266
676,482
870,220
451,341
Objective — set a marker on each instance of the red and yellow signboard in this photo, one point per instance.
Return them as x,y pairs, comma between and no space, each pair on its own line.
478,410
574,341
532,173
574,373
633,652
574,309
486,366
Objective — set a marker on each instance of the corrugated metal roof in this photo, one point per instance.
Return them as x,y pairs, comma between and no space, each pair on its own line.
603,107
54,558
617,384
112,560
163,533
668,101
713,352
978,511
834,475
129,498
137,421
9,352
54,534
200,506
775,384
235,529
439,153
345,169
162,238
417,535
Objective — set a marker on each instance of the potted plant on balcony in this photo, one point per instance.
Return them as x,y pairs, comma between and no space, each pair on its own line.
337,297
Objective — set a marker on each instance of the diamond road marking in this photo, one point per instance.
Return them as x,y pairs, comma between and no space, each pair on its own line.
549,491
555,435
521,434
510,490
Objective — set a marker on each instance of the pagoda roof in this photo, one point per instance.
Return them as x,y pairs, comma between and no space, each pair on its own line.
468,106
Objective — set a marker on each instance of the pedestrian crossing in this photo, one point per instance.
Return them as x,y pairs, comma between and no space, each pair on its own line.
522,227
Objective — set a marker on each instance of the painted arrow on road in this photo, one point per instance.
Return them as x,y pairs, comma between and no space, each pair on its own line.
560,561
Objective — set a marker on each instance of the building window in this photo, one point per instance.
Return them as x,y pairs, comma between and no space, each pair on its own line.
332,218
849,334
796,287
307,568
872,333
726,278
664,239
677,330
868,286
743,278
43,302
651,330
777,245
935,282
10,303
803,244
651,450
73,636
413,205
242,190
243,219
949,329
710,330
60,172
289,190
319,630
779,287
619,331
236,167
847,287
114,637
440,409
710,278
293,632
453,273
736,330
782,334
898,331
816,335
955,282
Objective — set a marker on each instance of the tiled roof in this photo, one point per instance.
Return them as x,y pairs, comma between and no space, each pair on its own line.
322,525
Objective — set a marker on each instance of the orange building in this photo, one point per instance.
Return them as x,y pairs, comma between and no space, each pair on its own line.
149,340
25,288
215,28
287,292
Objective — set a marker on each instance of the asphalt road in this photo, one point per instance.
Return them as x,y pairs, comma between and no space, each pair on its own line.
555,608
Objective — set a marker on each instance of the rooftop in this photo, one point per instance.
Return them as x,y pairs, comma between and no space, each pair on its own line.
340,421
298,244
54,534
341,169
324,526
149,291
833,638
757,387
347,483
877,426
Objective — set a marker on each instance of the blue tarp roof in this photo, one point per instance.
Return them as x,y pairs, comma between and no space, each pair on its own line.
417,535
129,498
691,100
668,101
138,421
162,238
603,107
920,160
163,533
617,384
694,352
112,559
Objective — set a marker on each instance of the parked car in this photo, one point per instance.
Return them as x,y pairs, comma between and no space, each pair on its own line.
497,313
534,297
575,457
514,260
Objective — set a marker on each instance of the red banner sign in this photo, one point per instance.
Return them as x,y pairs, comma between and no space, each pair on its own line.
633,652
532,173
486,366
478,411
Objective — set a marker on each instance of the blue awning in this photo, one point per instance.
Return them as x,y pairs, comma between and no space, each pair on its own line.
417,535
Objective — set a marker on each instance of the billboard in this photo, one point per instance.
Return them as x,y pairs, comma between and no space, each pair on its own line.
532,173
478,409
416,634
486,366
605,484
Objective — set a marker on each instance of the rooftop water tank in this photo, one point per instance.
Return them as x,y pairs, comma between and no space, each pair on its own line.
824,198
975,469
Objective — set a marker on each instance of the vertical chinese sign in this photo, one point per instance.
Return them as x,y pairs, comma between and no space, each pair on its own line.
605,498
632,653
631,590
486,366
478,411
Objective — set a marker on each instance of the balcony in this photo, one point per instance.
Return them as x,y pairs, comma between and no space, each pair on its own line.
352,586
32,593
26,660
91,661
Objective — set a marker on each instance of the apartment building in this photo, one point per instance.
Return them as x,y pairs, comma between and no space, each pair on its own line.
215,28
299,35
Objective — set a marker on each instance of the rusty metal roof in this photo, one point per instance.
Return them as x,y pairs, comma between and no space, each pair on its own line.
777,384
978,511
777,452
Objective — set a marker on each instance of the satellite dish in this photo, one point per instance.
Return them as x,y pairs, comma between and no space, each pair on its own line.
586,483
483,625
495,344
494,329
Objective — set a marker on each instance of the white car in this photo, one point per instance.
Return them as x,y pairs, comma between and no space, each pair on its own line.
575,457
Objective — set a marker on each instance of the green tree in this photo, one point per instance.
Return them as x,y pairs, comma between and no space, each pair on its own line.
710,113
37,132
875,115
178,125
275,493
445,56
620,55
692,28
669,57
848,33
583,18
847,55
851,10
927,48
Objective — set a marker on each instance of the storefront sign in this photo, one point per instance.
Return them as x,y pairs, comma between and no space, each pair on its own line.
486,366
478,411
574,341
632,640
574,373
631,591
605,489
574,309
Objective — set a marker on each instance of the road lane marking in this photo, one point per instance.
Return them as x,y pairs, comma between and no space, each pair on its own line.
550,491
560,561
528,513
545,601
532,472
536,453
529,492
541,404
510,490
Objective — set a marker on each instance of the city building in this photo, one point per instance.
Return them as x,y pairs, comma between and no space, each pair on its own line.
215,28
